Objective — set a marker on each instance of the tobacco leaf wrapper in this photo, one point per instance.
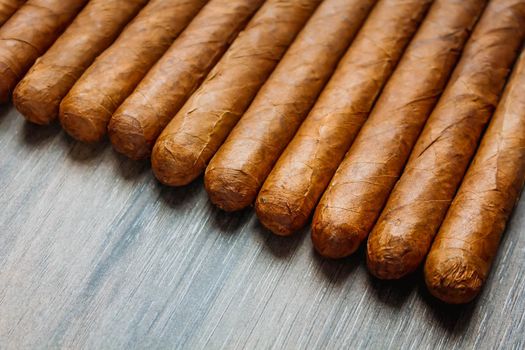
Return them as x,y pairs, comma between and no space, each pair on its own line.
417,206
8,7
467,242
28,34
87,108
292,189
199,128
358,191
137,123
239,168
39,93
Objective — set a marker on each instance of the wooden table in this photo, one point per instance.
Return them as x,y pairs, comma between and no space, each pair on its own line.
95,253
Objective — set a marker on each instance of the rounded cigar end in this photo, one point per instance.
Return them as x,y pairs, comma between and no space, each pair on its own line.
391,258
34,105
83,120
230,189
7,83
173,164
453,277
280,215
332,237
127,137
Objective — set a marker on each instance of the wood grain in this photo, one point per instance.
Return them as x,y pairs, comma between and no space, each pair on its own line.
95,254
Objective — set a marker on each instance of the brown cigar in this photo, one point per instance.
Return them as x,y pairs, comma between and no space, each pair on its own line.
38,95
466,244
191,138
292,189
363,181
138,122
416,208
28,34
8,7
237,170
87,108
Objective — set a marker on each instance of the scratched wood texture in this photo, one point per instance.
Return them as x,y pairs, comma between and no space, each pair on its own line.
95,254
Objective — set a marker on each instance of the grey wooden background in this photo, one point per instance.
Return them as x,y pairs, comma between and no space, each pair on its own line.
95,254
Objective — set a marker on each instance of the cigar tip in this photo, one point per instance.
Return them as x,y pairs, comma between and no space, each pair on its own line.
83,121
173,164
281,216
9,78
453,278
127,137
230,189
33,105
392,259
333,238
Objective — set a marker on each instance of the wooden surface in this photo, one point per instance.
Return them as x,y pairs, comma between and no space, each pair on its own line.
95,254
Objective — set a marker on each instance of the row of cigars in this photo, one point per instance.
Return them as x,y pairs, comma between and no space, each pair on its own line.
400,121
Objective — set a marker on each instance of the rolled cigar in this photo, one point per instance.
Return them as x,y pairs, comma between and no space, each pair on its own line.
358,191
197,130
39,93
87,108
137,123
28,34
416,208
8,7
291,191
240,166
467,242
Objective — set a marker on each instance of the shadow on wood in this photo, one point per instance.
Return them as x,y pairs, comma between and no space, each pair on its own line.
336,271
179,197
35,135
228,223
454,319
4,110
83,152
280,247
395,293
130,169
